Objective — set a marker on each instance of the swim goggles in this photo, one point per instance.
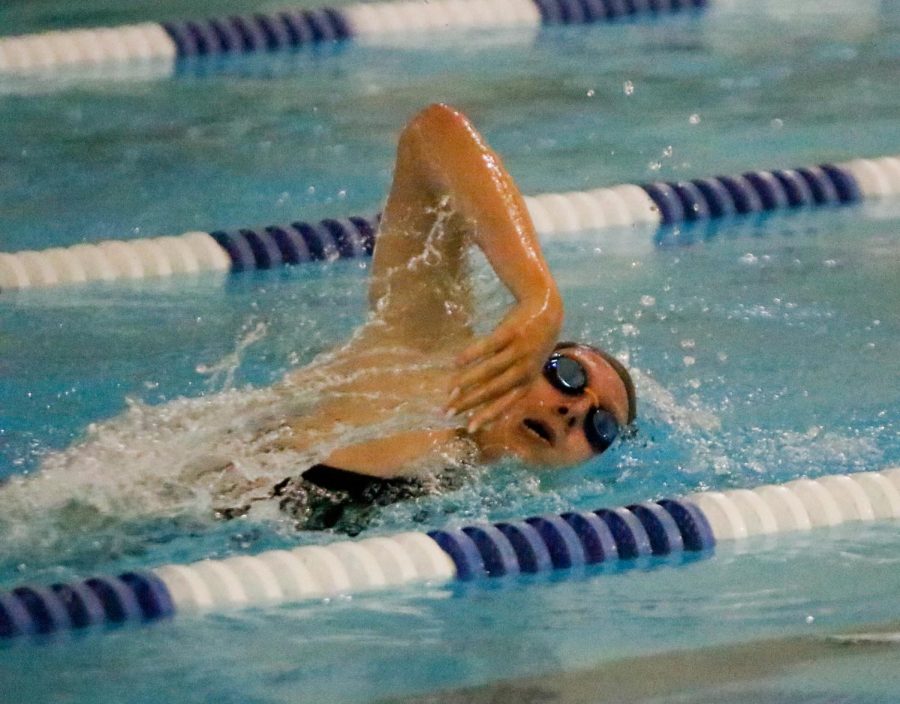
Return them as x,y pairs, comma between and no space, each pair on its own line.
569,376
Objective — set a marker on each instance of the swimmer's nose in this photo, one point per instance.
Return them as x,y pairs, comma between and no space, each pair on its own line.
573,412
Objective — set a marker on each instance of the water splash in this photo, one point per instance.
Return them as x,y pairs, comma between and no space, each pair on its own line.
221,374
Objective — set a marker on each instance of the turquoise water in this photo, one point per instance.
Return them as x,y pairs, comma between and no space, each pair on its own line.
767,349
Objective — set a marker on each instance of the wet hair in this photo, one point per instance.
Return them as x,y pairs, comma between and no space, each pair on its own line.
617,366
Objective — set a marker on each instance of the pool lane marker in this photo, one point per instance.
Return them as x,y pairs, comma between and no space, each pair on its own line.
481,551
554,215
292,29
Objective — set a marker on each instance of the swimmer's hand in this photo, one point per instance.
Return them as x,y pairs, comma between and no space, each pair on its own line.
497,370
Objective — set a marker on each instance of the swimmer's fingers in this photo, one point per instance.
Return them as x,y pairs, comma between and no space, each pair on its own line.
494,409
482,371
493,343
518,375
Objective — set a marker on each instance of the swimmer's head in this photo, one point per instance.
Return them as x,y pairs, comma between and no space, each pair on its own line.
573,411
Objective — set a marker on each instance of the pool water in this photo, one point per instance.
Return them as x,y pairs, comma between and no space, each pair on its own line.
766,348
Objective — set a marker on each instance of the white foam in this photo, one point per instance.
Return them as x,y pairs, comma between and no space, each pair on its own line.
186,458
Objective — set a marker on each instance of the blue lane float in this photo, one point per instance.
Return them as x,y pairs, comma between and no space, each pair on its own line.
597,540
653,529
561,540
130,598
169,42
259,32
554,215
531,550
753,192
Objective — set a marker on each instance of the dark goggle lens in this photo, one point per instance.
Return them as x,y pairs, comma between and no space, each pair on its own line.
601,429
566,374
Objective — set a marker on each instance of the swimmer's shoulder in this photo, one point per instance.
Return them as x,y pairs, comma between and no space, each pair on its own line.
403,454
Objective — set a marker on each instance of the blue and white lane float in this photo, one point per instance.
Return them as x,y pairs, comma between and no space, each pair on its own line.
554,215
539,544
290,29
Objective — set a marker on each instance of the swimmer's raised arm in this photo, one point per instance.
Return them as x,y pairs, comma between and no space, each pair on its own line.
444,165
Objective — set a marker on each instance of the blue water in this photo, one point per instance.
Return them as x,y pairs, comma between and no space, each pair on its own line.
767,348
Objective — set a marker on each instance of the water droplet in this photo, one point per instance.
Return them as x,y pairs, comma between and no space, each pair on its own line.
667,151
749,258
694,119
628,87
688,344
590,93
689,361
648,301
777,123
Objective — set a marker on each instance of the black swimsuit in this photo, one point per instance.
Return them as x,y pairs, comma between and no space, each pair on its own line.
326,497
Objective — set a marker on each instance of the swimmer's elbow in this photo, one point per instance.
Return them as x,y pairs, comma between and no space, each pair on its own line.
436,124
438,116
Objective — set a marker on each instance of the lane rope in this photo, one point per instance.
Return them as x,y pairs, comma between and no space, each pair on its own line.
168,42
555,216
695,523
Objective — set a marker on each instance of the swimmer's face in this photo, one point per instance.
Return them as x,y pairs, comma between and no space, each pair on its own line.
547,426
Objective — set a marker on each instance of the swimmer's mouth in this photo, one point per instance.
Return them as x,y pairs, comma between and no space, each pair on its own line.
541,429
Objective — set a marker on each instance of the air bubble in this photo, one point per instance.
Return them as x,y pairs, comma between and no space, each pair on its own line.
628,87
694,119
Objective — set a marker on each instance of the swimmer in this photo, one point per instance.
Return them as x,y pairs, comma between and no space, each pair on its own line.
513,392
